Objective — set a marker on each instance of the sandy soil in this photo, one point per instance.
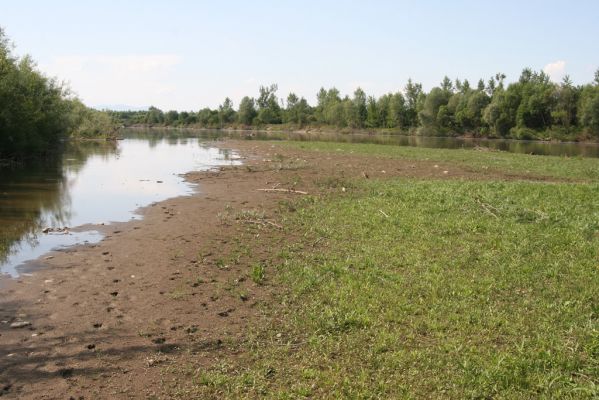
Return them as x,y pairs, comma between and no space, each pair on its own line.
108,320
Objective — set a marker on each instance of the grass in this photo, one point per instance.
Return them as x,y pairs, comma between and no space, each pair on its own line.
577,168
258,274
403,288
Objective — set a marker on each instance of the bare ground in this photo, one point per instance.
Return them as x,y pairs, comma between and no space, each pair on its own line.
107,321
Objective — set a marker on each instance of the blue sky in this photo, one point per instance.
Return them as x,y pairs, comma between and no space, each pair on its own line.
189,54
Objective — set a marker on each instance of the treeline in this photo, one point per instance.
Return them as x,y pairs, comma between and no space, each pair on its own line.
36,112
532,107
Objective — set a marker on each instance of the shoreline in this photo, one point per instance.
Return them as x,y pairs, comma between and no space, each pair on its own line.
357,132
80,295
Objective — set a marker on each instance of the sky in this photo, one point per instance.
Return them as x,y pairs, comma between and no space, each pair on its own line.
186,55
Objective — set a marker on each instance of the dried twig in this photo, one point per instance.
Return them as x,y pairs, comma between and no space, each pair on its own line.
382,212
283,191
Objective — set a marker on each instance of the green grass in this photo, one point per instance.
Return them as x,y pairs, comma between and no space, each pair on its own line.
431,289
258,274
577,168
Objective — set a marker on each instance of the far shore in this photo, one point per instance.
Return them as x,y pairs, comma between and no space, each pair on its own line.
347,131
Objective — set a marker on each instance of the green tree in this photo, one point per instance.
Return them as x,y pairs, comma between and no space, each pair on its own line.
154,116
247,111
372,113
269,110
171,117
414,100
297,111
35,111
566,98
397,116
430,116
226,112
589,109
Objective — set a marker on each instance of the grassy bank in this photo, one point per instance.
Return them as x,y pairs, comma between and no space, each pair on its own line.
407,288
573,168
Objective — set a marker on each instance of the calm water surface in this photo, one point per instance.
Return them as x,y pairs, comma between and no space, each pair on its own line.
94,183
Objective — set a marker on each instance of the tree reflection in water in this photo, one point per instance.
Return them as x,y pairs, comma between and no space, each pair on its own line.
36,195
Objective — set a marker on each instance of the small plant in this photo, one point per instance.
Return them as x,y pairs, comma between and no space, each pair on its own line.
258,274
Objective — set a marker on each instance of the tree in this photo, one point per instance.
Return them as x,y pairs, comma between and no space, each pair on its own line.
171,117
414,96
372,113
589,109
566,99
154,116
397,115
208,117
430,116
297,109
247,111
481,85
447,85
36,113
269,111
226,112
536,100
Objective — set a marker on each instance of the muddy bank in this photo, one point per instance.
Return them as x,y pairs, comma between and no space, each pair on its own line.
177,288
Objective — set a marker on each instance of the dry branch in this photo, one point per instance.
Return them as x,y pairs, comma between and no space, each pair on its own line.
283,191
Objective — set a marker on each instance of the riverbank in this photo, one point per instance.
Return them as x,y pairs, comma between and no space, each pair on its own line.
325,270
541,137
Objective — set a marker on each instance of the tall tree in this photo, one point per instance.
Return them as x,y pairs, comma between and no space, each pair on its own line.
247,111
226,112
269,110
414,96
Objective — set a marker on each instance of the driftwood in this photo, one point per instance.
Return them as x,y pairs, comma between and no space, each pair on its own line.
283,191
61,231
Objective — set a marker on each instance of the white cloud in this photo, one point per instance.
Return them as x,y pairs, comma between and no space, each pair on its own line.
556,70
135,79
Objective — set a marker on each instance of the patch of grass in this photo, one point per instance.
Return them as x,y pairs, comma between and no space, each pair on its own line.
258,274
463,290
178,293
402,288
579,168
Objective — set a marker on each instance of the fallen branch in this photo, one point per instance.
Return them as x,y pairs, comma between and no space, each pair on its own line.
382,212
283,191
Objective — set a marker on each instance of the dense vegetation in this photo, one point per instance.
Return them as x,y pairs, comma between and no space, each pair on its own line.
532,107
36,112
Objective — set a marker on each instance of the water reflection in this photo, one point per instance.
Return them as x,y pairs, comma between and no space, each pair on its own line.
94,182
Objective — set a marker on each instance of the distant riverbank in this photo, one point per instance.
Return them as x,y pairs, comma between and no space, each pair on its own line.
286,128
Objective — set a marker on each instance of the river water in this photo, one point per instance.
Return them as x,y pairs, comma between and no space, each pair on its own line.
94,183
104,182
